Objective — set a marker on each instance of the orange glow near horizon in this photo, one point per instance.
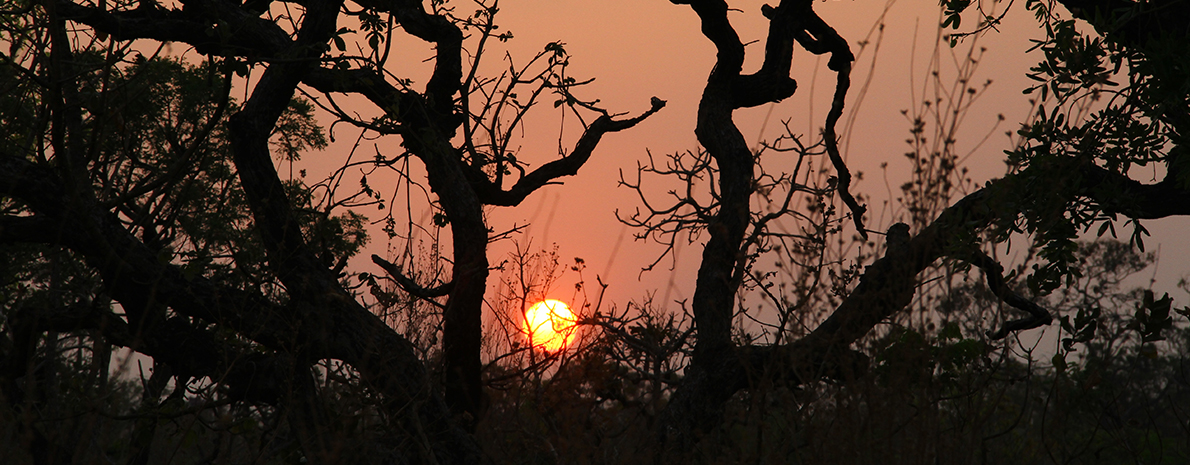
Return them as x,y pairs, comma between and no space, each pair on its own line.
550,325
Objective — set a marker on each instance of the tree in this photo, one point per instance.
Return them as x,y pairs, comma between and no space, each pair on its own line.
243,300
1082,164
257,304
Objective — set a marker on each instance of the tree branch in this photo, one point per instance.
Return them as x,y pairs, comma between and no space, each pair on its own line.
410,285
1133,23
994,273
211,26
818,37
491,194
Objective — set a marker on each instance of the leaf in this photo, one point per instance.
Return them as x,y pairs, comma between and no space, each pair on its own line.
950,331
1152,317
957,20
1059,361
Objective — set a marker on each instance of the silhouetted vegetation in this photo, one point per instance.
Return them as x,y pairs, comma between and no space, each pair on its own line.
170,295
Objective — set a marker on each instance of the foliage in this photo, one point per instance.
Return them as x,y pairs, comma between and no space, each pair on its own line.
1115,100
161,158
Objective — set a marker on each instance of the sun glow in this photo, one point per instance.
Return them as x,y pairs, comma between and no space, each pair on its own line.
550,325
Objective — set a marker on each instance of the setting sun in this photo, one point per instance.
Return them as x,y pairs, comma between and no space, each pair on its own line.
550,325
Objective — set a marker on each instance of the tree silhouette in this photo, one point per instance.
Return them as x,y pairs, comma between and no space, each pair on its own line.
1082,165
142,210
294,311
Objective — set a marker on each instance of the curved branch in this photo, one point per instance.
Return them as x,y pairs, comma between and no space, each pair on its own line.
448,61
994,274
491,194
824,39
211,26
1133,23
410,285
1119,194
250,128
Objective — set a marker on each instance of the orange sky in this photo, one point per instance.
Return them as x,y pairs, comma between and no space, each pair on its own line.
637,49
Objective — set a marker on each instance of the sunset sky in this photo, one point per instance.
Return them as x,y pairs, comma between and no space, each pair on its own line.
638,49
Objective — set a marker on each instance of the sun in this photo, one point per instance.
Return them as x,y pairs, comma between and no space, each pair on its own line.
550,325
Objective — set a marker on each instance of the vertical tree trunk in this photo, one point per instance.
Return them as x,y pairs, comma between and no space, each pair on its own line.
697,405
462,329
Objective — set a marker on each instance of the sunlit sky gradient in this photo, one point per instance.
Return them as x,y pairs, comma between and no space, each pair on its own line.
636,49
